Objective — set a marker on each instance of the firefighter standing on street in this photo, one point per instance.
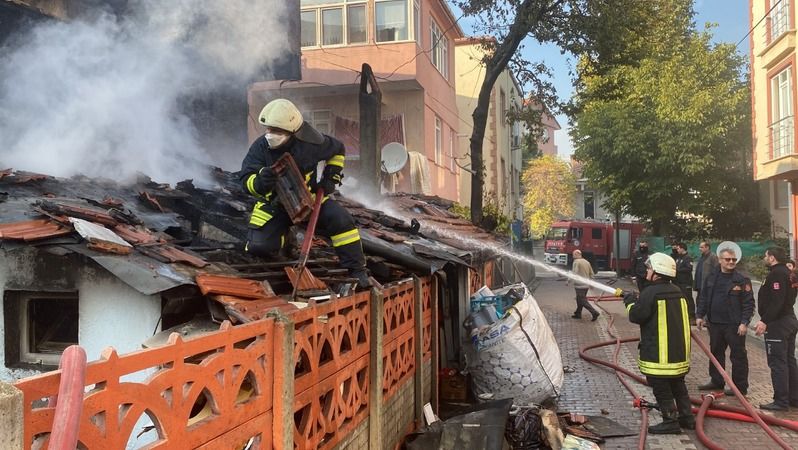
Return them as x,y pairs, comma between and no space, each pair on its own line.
287,132
639,265
779,324
661,312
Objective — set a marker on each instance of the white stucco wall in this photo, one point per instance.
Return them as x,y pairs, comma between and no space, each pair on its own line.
111,313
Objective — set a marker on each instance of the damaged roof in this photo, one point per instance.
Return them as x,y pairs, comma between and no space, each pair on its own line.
155,237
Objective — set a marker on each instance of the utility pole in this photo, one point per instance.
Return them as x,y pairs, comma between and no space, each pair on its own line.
618,243
370,99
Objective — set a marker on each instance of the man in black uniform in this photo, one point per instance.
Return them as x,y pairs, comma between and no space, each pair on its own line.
726,305
779,324
639,265
287,132
684,277
661,312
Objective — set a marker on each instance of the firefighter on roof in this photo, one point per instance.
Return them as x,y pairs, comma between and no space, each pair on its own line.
286,131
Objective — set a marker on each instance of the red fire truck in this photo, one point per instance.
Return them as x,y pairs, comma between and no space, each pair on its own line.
596,240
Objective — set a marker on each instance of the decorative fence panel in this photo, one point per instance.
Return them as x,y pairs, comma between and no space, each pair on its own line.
212,389
398,357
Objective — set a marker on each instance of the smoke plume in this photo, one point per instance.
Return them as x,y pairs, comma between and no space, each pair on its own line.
102,95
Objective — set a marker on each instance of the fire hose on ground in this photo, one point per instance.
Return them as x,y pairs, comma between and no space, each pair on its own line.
746,414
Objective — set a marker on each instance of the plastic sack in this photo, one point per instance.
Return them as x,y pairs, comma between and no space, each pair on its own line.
503,362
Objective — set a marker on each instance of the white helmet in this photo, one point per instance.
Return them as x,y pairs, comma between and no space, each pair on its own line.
662,264
282,114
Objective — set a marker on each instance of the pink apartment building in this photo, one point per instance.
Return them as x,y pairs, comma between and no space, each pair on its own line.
409,46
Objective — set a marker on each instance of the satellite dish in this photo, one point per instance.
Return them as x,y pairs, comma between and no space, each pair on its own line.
394,157
729,245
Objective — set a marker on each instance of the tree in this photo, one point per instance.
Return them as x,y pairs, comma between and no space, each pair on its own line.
507,23
659,128
550,193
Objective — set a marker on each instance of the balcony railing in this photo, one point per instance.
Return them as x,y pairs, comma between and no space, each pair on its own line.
782,136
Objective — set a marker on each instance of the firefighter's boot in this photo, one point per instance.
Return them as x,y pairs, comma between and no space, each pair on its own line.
669,425
362,277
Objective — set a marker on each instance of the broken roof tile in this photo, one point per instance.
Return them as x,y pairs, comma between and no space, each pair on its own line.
307,282
32,230
233,286
81,212
254,309
135,235
168,253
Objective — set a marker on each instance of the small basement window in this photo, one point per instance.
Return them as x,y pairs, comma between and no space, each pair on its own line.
47,323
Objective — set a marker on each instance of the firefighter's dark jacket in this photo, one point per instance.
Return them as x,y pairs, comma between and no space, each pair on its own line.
776,296
739,299
307,157
661,312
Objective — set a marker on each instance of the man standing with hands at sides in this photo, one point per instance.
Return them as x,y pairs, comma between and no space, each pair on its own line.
582,268
779,325
684,277
639,265
704,267
726,306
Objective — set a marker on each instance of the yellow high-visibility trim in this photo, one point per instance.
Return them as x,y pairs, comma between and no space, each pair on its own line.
662,331
686,326
652,368
345,238
307,177
251,184
337,160
629,308
259,217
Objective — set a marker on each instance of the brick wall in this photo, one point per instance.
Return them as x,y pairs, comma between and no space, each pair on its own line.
398,415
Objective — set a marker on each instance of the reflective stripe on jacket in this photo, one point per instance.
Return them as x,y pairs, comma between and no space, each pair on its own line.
661,312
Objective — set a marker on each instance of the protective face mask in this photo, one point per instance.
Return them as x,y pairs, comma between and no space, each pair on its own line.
276,139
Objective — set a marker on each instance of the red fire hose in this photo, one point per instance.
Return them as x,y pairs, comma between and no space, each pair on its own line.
749,414
69,402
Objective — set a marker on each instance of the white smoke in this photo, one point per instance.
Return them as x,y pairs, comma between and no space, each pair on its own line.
102,97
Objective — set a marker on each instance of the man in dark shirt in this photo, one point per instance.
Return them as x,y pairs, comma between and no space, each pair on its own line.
639,265
779,325
704,267
726,305
684,277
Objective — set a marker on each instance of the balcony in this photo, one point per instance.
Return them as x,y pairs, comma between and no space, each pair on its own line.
778,49
782,161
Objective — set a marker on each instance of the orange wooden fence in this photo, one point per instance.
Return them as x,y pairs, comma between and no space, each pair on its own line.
227,388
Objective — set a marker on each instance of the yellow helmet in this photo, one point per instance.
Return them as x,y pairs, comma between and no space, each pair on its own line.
662,264
283,114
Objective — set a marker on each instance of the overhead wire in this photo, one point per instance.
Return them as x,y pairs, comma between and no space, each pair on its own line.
767,14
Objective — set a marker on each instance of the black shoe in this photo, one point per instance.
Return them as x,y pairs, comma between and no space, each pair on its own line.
595,317
774,407
710,387
730,393
669,427
574,316
362,277
688,423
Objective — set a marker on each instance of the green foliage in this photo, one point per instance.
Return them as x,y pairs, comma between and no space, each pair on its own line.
493,220
754,267
662,116
550,193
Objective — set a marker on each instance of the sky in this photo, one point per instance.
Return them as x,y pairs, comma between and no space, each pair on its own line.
731,17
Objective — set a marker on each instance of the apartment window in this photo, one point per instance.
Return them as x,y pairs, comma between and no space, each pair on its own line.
390,19
438,141
439,49
590,205
308,28
39,326
320,120
779,19
781,194
782,129
452,160
327,23
356,21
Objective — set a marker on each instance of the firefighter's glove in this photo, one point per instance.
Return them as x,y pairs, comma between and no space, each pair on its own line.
267,178
629,297
329,182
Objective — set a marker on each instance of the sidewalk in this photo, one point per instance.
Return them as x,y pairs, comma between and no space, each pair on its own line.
591,389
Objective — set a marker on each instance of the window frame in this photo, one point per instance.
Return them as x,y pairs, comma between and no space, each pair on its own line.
408,21
438,140
344,6
439,48
781,201
21,300
782,126
452,147
779,20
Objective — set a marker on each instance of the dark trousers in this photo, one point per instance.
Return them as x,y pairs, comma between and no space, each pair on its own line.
581,302
780,346
722,336
668,390
333,221
687,291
